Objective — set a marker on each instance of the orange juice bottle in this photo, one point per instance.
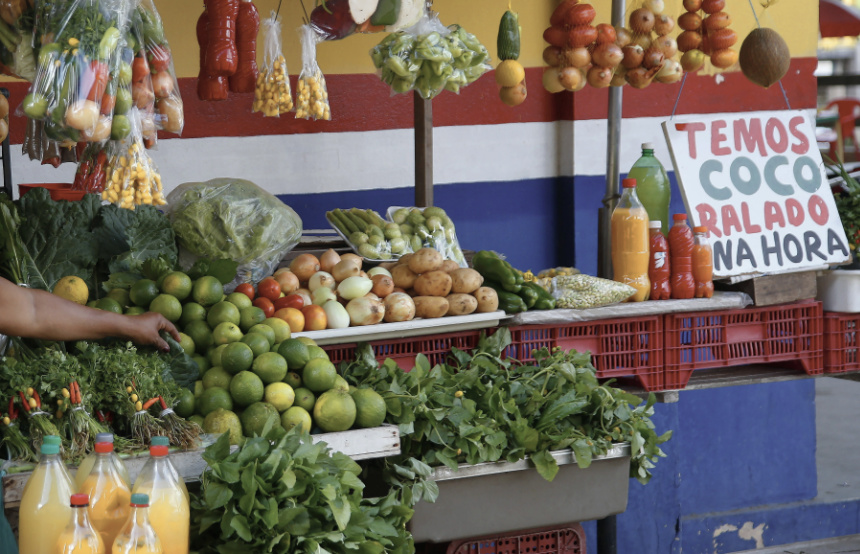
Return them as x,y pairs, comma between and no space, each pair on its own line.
169,512
703,263
44,510
138,536
109,495
630,242
681,244
79,537
164,441
87,464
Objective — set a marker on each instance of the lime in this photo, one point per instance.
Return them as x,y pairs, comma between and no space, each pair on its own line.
296,416
198,419
185,405
212,399
293,379
266,331
281,327
108,305
216,376
121,296
187,343
207,291
201,335
304,399
237,357
340,384
176,283
295,352
315,352
258,343
369,408
214,354
334,411
240,300
226,332
246,388
91,304
221,312
220,420
202,362
72,288
279,395
168,306
143,292
307,341
134,310
192,311
255,417
250,316
271,367
319,375
198,387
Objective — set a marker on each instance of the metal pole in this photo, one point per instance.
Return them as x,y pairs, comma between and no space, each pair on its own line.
423,151
607,535
610,199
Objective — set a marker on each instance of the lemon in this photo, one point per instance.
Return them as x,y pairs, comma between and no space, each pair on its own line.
334,411
72,288
281,328
279,395
223,421
296,416
369,408
510,73
317,352
304,399
203,364
226,332
340,384
176,283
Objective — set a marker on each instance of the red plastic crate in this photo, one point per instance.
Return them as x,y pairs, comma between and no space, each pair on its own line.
569,539
405,351
791,334
619,347
841,342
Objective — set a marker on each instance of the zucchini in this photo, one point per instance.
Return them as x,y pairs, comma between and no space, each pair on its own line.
386,12
508,40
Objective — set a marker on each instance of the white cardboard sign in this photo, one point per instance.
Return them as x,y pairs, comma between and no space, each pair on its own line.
757,182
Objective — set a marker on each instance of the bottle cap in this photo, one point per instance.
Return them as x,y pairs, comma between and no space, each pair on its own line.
50,449
51,439
160,441
104,437
104,447
700,229
628,183
140,500
80,499
679,217
158,450
647,146
655,225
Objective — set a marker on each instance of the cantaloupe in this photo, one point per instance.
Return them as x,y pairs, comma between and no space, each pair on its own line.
764,57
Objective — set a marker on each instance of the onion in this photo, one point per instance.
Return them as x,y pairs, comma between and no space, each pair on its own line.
671,72
322,295
581,14
355,258
690,21
576,57
667,45
618,79
304,266
328,260
653,58
336,315
693,60
321,279
623,36
713,6
82,115
643,40
719,20
551,55
582,35
599,77
722,38
692,5
705,46
353,287
689,40
633,56
556,36
550,80
100,132
306,296
764,57
162,84
399,306
605,33
383,285
656,6
365,311
724,58
641,77
345,268
607,55
378,271
571,79
664,25
642,20
559,15
287,279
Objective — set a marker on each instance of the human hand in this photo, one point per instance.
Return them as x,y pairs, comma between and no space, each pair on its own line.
144,329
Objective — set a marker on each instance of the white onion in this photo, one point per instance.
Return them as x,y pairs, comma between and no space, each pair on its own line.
323,295
336,315
365,311
377,270
353,287
321,279
399,306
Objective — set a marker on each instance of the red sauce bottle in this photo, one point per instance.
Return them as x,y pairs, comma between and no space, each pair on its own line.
703,264
659,271
681,244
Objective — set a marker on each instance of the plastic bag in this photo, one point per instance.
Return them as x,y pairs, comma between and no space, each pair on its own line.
210,88
247,27
132,177
368,234
272,95
311,91
584,291
234,219
428,227
92,168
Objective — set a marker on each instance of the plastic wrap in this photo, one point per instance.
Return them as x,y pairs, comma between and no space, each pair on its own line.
209,87
132,177
235,219
332,20
585,291
311,91
222,56
367,234
247,27
92,168
428,227
272,95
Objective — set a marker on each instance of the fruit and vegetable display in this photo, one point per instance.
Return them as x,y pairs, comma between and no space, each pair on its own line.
272,94
337,19
515,293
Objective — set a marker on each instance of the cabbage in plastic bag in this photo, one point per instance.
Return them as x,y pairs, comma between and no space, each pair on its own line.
585,291
235,219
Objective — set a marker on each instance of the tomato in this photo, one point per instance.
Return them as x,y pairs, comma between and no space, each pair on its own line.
266,305
247,289
269,288
159,58
139,70
289,301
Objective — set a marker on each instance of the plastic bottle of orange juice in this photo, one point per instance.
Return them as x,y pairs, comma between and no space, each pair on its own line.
44,510
138,536
109,495
703,263
169,512
79,537
630,242
164,441
87,464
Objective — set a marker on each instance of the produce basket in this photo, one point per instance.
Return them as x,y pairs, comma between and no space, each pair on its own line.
505,497
57,191
841,342
564,539
405,351
790,334
619,347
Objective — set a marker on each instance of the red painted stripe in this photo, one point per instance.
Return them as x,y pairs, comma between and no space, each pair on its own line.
363,103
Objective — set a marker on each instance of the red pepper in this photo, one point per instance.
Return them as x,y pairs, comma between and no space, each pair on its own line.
109,417
139,70
100,414
163,403
38,400
159,57
24,401
13,411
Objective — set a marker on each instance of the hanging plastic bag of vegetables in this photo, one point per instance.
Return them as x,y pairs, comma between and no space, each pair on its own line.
131,177
311,92
272,95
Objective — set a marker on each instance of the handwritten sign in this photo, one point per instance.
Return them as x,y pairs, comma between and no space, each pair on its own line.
757,182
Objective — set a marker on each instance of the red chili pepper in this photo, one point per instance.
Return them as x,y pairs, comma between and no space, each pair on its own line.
24,401
100,415
150,402
13,411
163,403
38,400
109,417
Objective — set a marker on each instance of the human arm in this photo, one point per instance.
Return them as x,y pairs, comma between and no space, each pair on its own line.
41,315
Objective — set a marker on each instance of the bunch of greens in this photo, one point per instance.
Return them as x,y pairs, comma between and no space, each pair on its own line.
483,408
287,495
848,205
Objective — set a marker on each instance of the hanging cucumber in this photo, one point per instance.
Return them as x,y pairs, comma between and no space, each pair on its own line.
508,41
510,73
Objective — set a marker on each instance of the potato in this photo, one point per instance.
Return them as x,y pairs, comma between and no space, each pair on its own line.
403,276
404,259
430,307
449,266
388,265
425,260
433,283
488,300
466,280
461,304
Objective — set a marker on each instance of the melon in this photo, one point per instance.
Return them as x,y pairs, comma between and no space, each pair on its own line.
361,10
410,13
764,57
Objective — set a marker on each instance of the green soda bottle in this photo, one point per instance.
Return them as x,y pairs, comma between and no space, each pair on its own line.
652,186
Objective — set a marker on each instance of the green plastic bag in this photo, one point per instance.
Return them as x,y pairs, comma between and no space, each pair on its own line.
7,538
